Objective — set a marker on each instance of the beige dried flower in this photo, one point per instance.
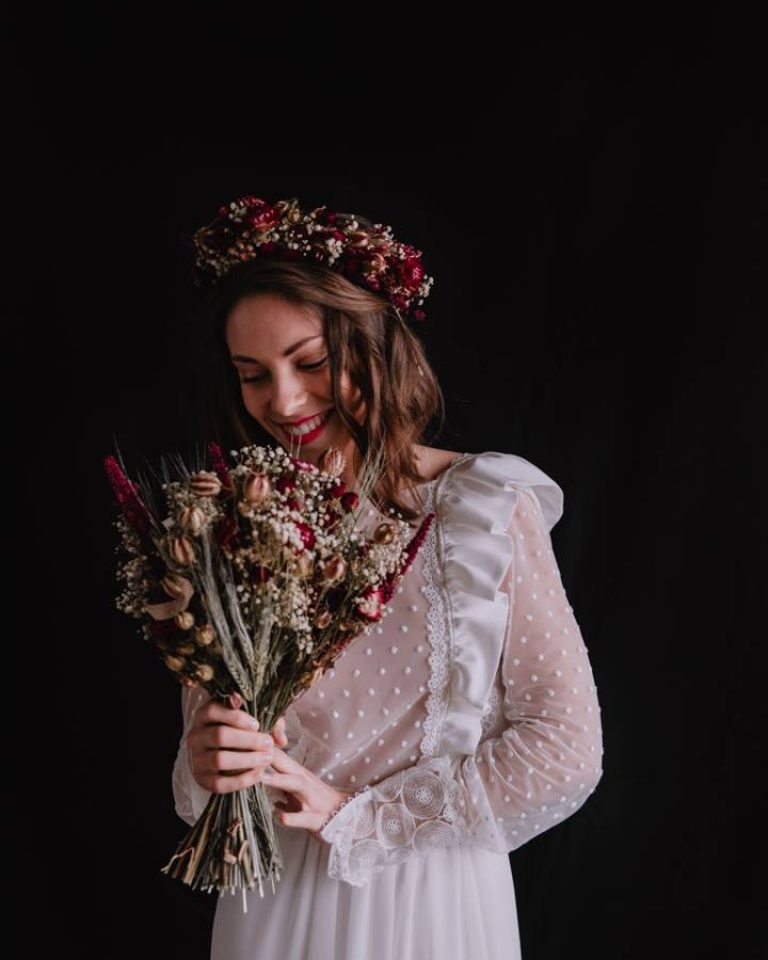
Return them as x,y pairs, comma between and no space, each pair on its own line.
204,672
192,519
205,635
257,487
323,618
332,461
335,569
176,586
205,484
182,550
184,620
384,533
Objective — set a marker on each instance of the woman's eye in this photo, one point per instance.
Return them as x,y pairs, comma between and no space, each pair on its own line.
307,366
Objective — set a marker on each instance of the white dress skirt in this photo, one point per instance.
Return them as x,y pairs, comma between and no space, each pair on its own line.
467,723
453,903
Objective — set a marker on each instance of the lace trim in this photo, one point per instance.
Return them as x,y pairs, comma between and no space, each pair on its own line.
437,633
492,710
414,812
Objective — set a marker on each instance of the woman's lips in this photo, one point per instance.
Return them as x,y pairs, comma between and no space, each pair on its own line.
307,437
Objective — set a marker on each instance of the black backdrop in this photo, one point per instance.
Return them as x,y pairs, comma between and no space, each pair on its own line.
586,195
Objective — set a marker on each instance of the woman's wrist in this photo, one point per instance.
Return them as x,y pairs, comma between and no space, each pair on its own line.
345,799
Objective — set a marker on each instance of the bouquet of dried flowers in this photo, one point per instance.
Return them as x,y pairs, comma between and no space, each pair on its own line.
252,579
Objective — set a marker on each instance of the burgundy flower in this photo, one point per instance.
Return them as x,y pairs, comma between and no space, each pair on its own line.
411,272
127,499
370,604
219,464
349,501
264,218
307,535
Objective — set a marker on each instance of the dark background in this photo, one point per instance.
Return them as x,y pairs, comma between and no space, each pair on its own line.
587,197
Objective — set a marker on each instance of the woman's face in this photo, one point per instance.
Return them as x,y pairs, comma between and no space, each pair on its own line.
278,387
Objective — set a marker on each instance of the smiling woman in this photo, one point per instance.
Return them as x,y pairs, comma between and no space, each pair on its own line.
467,722
294,352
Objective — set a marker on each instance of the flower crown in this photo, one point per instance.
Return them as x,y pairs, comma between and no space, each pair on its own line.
364,252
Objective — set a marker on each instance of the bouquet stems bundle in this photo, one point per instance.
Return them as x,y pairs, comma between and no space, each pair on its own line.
251,578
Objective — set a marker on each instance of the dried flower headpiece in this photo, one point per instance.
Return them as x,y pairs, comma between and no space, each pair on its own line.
365,253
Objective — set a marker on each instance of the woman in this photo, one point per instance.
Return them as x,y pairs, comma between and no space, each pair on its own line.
468,722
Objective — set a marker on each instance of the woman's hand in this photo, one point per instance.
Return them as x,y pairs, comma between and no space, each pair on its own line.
309,800
226,751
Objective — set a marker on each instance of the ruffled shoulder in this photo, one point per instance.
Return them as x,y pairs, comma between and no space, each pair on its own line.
487,474
474,503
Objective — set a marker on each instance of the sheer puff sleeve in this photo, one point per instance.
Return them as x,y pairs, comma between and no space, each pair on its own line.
189,797
547,759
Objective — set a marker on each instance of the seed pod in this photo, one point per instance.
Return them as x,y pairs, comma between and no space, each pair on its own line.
176,586
205,484
204,672
184,620
257,487
186,649
205,635
175,663
192,519
384,533
332,461
323,618
183,551
335,569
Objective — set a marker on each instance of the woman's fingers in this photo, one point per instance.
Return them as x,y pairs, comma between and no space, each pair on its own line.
286,774
214,712
279,734
221,783
220,736
288,782
285,764
230,762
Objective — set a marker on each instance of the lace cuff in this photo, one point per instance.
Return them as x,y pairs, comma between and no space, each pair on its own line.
188,796
404,815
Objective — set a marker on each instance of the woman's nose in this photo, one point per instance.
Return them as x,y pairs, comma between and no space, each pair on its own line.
288,398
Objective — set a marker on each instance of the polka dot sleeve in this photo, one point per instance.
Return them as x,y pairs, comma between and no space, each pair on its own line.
539,770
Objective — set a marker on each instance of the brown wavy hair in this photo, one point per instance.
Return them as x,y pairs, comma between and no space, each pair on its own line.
365,337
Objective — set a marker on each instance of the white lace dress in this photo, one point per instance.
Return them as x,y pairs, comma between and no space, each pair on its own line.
469,721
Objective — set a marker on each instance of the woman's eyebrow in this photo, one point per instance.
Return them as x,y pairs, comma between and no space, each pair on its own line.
286,353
